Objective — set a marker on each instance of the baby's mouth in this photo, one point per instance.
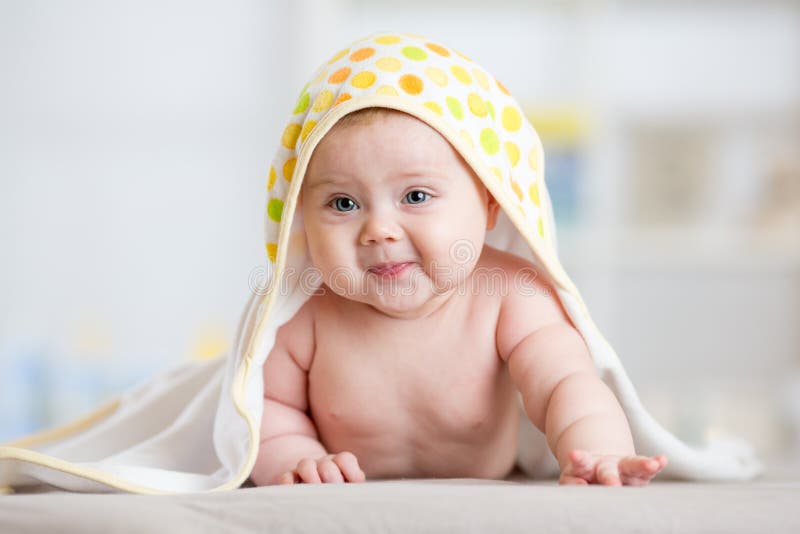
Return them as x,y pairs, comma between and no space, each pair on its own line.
390,269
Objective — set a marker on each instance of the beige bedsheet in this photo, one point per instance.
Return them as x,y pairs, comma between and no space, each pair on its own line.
771,504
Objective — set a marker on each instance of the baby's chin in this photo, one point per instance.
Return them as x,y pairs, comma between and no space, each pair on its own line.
406,298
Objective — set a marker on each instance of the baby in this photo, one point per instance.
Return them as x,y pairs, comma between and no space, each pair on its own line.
408,361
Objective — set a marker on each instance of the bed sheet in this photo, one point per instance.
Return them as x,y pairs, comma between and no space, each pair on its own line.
771,504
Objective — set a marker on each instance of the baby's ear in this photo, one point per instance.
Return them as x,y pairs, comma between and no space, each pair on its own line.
493,210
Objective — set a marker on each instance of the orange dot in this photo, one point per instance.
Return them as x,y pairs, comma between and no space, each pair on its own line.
502,87
442,51
342,98
340,75
361,54
411,84
272,251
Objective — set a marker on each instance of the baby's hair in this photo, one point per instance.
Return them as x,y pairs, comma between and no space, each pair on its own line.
364,116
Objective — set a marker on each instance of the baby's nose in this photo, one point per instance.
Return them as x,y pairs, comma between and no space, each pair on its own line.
379,228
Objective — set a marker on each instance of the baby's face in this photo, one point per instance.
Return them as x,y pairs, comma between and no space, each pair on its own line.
394,217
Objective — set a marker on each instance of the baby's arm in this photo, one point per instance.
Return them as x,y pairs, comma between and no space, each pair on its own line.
564,397
290,450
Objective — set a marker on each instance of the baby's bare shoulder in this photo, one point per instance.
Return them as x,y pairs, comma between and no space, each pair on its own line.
528,300
297,335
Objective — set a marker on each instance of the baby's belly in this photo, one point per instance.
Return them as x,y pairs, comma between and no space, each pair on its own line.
417,424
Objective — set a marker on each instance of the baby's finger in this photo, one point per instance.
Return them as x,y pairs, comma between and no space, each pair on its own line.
582,464
289,477
638,470
329,472
569,480
348,463
608,473
307,469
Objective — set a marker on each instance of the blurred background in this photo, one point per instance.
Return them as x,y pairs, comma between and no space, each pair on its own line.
135,140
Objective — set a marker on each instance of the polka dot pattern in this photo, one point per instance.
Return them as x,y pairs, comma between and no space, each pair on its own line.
454,105
414,53
323,101
362,53
484,119
340,75
489,141
389,64
363,79
439,49
437,76
461,74
411,84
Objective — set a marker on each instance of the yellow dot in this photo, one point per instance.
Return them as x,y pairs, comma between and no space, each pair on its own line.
342,97
497,174
433,106
323,101
411,84
512,151
533,159
290,134
363,79
490,107
340,75
307,127
512,120
338,56
387,39
489,141
272,251
482,79
389,64
272,177
541,227
502,87
386,90
465,136
362,53
288,169
442,51
461,74
437,76
517,189
533,192
476,105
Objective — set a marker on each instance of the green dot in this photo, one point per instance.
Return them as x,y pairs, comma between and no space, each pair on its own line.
302,104
275,209
489,141
415,53
455,107
491,109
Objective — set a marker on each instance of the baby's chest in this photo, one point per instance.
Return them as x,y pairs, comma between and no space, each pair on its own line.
402,383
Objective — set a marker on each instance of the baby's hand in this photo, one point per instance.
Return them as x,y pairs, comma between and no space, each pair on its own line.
610,470
336,468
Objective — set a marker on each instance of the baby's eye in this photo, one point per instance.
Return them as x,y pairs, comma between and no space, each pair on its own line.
417,197
343,204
